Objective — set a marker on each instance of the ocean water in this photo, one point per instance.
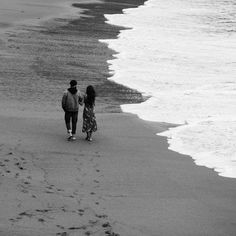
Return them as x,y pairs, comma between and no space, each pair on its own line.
182,55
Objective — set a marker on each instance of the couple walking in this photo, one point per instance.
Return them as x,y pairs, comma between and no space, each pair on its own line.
71,100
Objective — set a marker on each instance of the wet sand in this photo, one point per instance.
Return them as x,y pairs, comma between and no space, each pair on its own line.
17,12
126,182
37,62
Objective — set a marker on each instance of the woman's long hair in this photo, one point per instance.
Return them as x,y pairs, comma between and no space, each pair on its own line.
91,94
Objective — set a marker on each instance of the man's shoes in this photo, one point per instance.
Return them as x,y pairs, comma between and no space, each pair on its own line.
71,138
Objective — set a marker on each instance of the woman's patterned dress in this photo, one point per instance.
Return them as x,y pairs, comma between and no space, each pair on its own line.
89,119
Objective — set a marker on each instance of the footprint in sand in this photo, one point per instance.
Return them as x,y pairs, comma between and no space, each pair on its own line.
13,220
101,216
81,212
25,214
110,233
42,211
49,192
50,187
75,228
24,191
60,190
19,166
60,226
62,234
41,220
105,225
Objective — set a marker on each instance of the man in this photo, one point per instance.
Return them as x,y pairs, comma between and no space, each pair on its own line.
70,104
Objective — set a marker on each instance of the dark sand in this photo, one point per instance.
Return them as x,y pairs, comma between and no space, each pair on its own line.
37,64
126,182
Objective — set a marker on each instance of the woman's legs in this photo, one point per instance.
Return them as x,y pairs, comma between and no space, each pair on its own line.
90,136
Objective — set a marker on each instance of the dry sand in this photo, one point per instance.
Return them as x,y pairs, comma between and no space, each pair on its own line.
126,182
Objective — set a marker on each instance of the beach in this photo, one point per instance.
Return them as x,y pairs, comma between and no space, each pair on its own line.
126,182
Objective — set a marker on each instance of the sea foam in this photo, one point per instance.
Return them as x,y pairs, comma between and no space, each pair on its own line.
182,53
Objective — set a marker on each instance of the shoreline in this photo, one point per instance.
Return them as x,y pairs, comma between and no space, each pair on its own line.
208,129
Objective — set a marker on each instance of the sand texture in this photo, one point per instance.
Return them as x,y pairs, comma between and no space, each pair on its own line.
126,182
37,62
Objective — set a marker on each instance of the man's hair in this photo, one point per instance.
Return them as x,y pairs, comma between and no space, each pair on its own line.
73,83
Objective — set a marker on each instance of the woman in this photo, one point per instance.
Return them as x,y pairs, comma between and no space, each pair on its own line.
89,119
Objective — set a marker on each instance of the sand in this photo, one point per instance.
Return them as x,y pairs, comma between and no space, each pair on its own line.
126,182
37,62
17,12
